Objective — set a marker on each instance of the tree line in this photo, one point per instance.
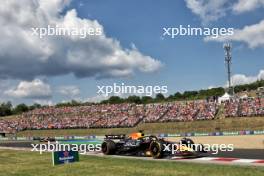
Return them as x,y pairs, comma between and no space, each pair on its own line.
7,108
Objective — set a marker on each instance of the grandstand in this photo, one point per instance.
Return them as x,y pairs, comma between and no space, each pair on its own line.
129,115
260,92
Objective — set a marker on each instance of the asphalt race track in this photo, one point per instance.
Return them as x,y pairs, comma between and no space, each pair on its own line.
242,153
237,153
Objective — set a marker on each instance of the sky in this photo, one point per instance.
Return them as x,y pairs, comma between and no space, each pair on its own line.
131,49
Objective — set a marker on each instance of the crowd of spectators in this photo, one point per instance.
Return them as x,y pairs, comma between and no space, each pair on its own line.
190,111
246,107
128,115
92,116
155,111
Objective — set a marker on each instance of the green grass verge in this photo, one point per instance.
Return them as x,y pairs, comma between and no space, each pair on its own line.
21,163
227,124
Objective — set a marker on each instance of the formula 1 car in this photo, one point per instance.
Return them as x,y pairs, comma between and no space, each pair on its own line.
44,139
139,145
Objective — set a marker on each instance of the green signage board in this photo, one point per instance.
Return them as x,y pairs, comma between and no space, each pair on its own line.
63,157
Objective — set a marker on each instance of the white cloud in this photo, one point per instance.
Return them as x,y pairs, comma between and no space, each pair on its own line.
208,10
44,102
94,56
239,79
100,97
212,10
96,99
247,5
71,91
211,87
35,89
252,35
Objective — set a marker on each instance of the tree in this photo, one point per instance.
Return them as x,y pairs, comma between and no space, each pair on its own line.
6,109
21,108
34,106
160,97
146,99
75,103
177,96
115,100
134,99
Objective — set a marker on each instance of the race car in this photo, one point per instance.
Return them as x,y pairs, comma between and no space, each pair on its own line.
44,139
137,144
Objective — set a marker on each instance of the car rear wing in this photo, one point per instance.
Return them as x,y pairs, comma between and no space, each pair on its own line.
116,136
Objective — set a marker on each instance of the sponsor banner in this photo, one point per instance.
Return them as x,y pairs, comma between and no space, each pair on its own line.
30,138
4,138
79,137
225,133
251,132
59,138
242,132
174,135
66,137
16,138
217,134
213,134
232,133
99,137
189,134
163,135
220,133
201,134
186,134
21,138
258,132
91,137
64,157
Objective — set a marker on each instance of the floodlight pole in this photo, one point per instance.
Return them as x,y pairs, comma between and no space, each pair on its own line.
228,59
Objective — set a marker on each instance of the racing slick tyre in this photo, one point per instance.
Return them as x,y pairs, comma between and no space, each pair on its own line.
156,149
108,147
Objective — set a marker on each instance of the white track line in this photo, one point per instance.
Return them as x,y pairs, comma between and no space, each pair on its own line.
246,161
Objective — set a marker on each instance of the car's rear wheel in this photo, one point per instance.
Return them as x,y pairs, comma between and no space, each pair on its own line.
108,147
156,149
